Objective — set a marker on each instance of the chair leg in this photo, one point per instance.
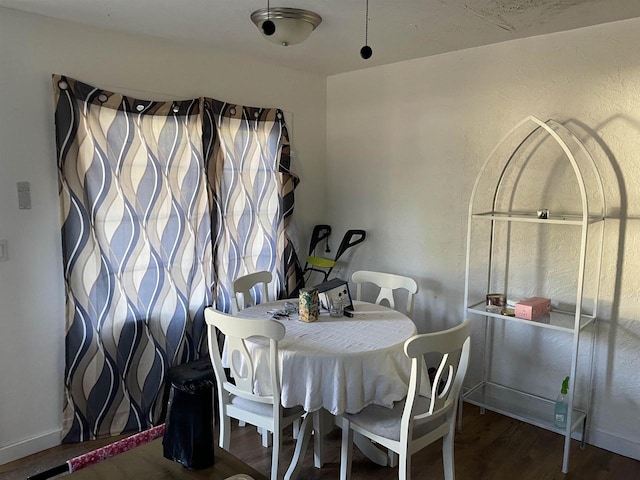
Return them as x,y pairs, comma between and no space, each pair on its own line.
447,457
404,465
225,430
346,451
296,429
392,458
275,454
242,423
266,438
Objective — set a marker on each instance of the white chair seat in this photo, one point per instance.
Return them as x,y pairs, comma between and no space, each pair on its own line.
385,422
263,409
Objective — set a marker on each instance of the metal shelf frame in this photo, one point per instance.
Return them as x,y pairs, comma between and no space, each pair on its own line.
527,406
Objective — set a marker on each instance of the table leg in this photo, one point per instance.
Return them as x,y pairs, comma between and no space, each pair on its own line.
317,439
372,452
301,447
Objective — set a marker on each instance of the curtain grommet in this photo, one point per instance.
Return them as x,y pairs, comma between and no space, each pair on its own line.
139,107
102,98
63,85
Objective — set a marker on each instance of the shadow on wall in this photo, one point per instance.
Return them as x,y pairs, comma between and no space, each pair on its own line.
612,175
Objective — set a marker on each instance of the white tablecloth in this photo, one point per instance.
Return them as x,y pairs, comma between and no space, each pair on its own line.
340,364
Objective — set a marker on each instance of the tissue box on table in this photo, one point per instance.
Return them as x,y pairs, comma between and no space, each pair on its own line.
532,308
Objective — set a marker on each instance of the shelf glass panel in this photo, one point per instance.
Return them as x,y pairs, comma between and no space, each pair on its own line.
522,406
556,320
532,217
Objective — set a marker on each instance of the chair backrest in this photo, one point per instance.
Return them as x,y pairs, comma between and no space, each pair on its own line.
387,282
242,287
237,330
454,345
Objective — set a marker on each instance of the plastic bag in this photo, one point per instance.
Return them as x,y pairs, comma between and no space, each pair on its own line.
188,437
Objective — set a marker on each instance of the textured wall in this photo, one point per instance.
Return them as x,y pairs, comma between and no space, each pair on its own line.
405,143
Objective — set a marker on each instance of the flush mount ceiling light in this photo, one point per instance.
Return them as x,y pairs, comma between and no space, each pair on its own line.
285,26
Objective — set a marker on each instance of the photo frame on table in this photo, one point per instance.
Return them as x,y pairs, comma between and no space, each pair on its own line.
332,290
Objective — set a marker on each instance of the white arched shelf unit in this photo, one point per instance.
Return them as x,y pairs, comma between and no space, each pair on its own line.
509,194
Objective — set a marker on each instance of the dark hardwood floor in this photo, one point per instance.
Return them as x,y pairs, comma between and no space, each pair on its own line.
491,446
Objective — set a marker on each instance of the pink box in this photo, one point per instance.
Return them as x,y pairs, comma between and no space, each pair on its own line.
532,308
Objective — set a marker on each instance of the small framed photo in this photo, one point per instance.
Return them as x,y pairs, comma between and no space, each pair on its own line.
333,291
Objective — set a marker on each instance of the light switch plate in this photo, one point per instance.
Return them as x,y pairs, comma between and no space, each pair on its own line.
24,196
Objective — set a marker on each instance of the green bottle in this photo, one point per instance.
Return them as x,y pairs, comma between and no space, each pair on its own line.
562,407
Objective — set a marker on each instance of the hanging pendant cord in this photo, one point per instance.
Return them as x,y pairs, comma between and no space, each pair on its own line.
366,25
268,9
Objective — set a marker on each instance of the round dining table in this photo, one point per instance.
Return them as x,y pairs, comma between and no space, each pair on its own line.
335,364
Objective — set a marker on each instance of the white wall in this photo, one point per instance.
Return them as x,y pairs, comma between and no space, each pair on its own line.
31,287
406,141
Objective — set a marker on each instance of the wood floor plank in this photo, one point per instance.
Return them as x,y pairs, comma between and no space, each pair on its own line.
490,447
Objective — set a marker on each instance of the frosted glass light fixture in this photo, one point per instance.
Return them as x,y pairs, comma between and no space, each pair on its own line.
292,25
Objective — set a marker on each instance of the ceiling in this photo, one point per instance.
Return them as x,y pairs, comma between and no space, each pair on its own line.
398,29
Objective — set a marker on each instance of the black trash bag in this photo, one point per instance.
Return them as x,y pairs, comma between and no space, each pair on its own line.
188,436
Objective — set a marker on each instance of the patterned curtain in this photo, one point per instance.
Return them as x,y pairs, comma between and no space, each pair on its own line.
136,249
246,151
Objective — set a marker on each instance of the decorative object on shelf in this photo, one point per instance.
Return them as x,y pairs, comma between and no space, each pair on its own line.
366,51
496,302
532,308
497,299
561,408
543,214
285,26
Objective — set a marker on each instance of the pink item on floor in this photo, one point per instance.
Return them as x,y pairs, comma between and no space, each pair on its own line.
115,448
95,456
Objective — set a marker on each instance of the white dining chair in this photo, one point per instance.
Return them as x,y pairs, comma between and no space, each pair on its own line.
417,421
387,282
243,298
242,287
240,401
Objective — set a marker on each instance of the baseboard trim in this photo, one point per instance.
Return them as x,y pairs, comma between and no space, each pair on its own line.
32,445
622,446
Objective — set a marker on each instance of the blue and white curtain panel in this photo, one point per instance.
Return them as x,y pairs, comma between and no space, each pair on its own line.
247,160
163,205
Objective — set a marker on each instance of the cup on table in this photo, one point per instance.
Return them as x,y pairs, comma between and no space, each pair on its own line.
290,307
336,307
